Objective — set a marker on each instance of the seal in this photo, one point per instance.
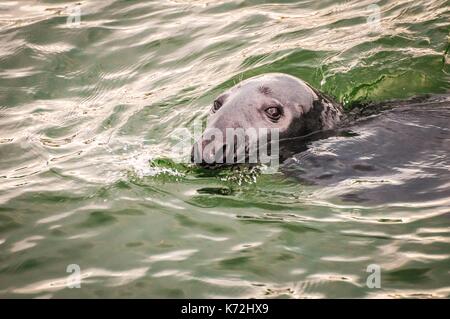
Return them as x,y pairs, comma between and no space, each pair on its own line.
269,101
400,154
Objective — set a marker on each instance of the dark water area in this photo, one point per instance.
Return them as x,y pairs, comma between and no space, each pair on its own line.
89,177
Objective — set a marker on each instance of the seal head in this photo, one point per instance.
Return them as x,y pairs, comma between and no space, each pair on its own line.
270,101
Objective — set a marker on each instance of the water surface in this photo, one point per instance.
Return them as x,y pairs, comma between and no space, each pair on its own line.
87,175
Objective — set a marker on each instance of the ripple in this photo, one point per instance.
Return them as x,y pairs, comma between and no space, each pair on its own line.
245,246
177,255
54,218
170,273
116,278
345,259
87,116
212,238
26,243
412,293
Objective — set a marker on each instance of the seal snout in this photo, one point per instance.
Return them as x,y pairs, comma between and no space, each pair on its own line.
209,152
235,146
219,151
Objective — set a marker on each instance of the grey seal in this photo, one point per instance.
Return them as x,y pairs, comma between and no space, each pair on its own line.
271,101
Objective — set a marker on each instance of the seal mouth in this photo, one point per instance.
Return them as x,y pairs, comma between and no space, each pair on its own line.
247,156
224,158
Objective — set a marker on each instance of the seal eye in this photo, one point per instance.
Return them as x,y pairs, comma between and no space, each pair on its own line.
217,105
274,113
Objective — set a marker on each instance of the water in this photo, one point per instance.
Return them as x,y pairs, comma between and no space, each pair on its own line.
86,155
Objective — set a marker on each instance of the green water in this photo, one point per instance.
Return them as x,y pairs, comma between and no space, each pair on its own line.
86,115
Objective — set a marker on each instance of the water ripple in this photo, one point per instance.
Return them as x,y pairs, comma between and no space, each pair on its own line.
87,170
